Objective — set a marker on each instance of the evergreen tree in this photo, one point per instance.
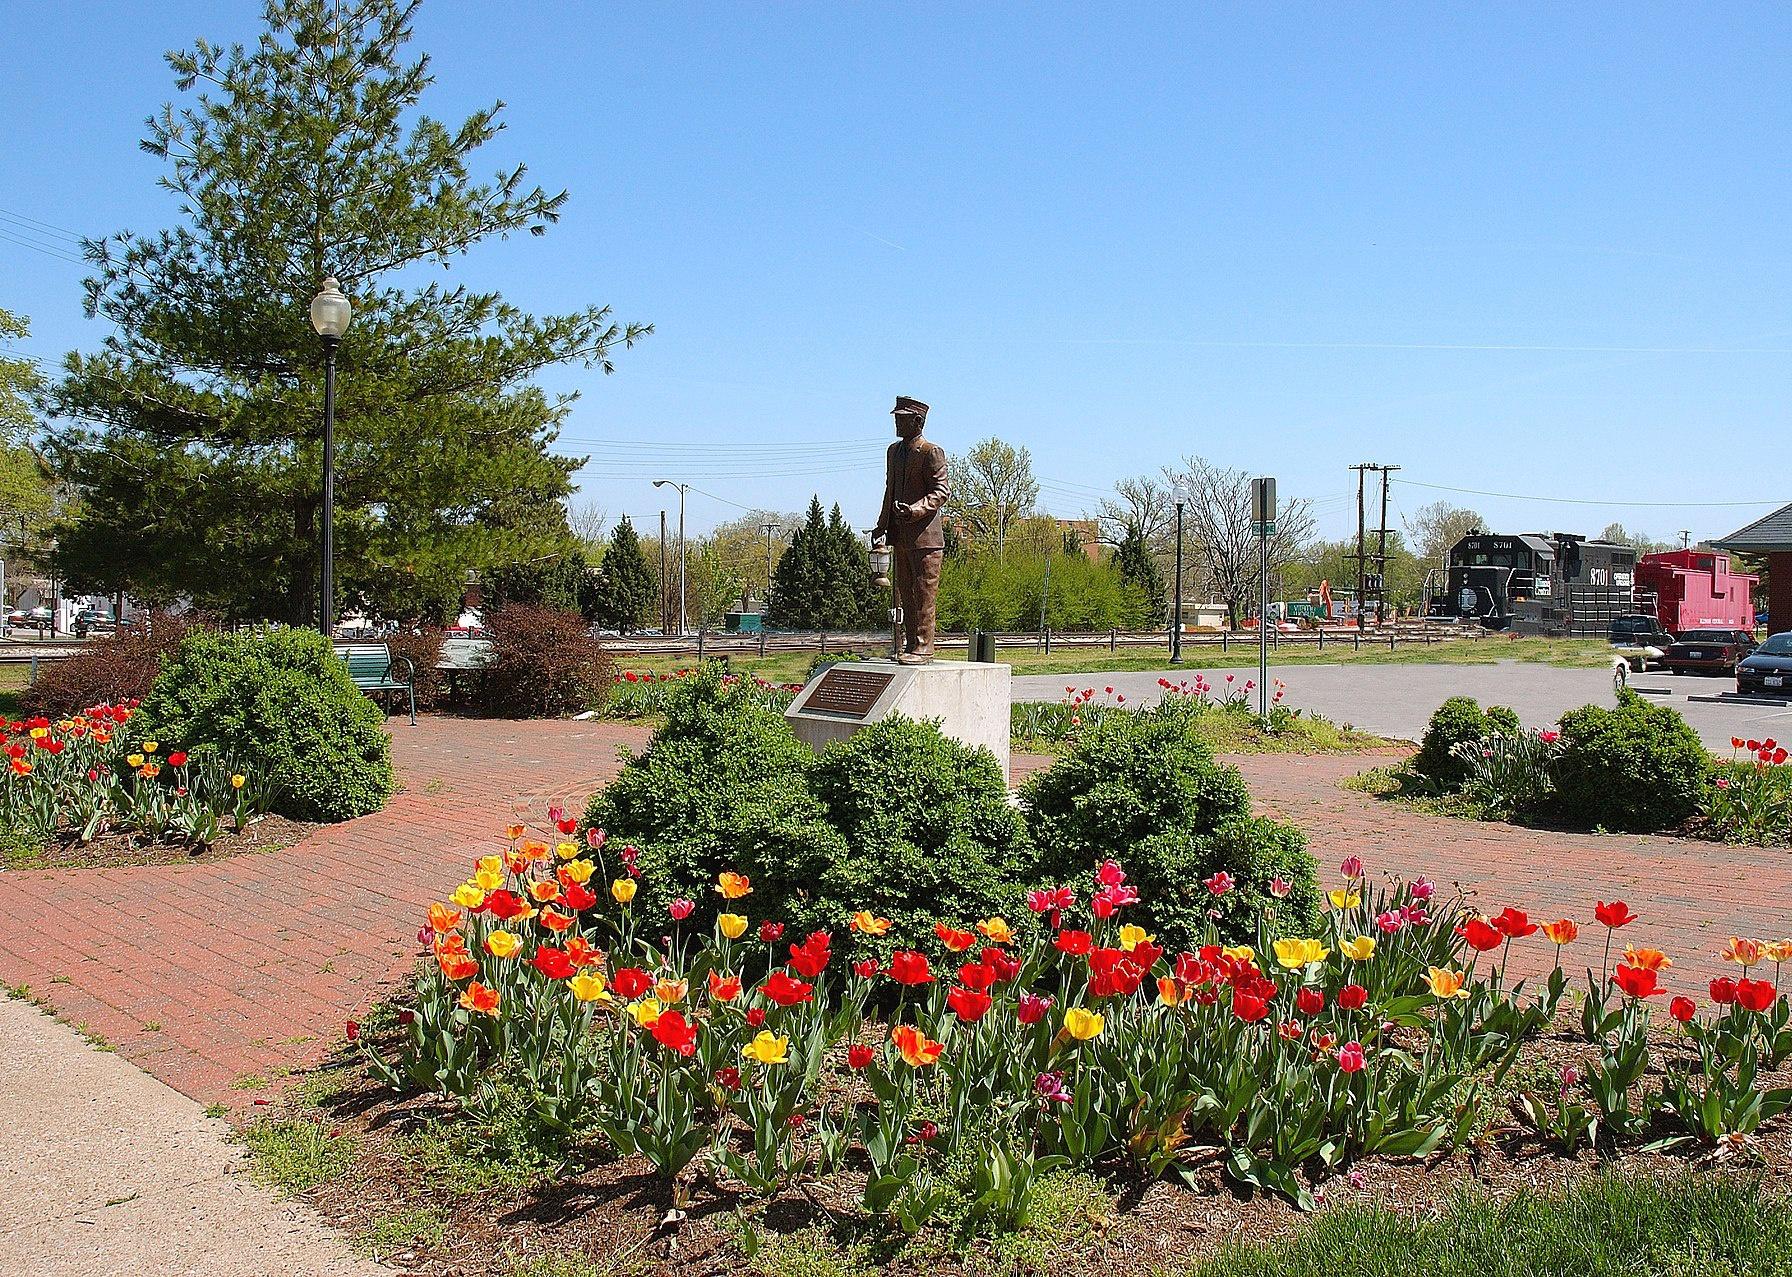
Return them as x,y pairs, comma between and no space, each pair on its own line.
800,585
566,582
854,602
197,457
623,597
1138,568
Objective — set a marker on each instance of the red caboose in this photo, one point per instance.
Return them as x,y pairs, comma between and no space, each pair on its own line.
1695,590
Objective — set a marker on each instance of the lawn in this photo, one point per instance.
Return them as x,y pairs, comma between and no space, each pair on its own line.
793,667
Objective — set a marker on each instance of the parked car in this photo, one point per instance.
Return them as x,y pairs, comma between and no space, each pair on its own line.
1769,668
1640,639
1708,651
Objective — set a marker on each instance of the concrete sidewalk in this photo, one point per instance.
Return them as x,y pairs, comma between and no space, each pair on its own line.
108,1171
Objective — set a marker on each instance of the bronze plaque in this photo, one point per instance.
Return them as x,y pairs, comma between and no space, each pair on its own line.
848,692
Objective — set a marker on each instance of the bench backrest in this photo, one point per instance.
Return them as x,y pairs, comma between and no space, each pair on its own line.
367,662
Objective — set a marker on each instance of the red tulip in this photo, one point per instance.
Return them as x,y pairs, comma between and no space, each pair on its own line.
1309,1001
909,967
1352,997
1614,915
1482,935
1351,1058
1032,1008
672,1031
865,968
811,957
1074,943
1514,924
786,992
1683,1009
968,1005
552,963
1638,982
770,932
858,1055
1248,1007
630,982
1723,991
1755,995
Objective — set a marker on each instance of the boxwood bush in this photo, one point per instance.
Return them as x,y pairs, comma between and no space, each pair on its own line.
1145,790
279,702
898,819
1639,768
1459,719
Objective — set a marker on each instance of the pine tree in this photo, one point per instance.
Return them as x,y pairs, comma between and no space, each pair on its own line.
623,596
197,460
854,602
800,587
1138,568
566,582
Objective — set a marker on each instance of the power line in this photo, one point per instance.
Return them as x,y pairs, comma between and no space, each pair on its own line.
14,215
1664,505
39,248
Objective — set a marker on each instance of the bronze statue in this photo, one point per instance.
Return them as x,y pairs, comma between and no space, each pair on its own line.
912,523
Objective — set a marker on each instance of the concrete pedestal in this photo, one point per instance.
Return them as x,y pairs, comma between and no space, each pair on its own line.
969,700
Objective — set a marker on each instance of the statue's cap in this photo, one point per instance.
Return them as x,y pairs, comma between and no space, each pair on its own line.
913,406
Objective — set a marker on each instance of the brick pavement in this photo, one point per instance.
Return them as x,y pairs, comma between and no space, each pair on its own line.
208,974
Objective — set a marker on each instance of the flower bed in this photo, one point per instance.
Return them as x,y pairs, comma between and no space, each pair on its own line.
72,781
644,694
940,1088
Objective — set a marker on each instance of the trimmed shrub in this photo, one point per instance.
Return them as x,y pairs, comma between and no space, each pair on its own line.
929,830
723,785
108,671
1457,721
898,819
280,702
545,663
1144,789
423,650
1638,768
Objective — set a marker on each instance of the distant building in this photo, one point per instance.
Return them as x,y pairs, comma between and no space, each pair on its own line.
1770,537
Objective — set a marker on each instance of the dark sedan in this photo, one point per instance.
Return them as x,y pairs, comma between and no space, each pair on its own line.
1708,651
1769,669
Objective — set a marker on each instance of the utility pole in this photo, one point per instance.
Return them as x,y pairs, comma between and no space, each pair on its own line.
1045,597
767,528
1686,538
1381,555
1176,617
1361,574
665,621
682,489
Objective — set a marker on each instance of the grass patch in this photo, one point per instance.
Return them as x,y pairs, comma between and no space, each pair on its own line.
1398,783
294,1155
1604,1226
447,1155
570,1264
810,1252
1068,1207
1049,727
414,1227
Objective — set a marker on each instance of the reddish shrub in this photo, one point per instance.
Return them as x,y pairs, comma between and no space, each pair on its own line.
545,663
118,667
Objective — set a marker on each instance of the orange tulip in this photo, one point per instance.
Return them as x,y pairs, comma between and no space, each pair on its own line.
1647,959
724,988
443,919
1743,951
582,953
515,832
555,921
481,999
544,890
457,966
868,923
733,886
917,1049
1561,932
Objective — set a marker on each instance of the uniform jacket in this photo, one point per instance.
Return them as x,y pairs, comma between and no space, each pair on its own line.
915,472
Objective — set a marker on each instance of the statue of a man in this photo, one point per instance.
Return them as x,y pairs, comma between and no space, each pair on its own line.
912,523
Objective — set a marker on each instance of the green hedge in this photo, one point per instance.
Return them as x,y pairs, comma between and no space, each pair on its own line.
1459,719
1639,768
1144,790
281,704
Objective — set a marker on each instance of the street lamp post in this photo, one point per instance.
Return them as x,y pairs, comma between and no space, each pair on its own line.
682,489
1176,619
330,315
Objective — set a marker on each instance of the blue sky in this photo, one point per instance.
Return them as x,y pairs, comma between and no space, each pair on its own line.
1531,249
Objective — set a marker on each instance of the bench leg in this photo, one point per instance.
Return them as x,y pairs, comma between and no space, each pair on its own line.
411,691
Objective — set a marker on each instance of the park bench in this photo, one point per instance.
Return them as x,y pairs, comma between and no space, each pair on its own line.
374,669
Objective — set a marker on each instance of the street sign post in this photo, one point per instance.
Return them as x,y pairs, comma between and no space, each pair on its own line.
1263,523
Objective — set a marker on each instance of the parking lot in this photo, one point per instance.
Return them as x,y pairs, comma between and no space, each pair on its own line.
1396,700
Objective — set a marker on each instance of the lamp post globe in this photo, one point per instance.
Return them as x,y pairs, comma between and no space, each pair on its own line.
330,316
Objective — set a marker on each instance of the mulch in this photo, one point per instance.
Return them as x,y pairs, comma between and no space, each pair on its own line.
614,1211
113,850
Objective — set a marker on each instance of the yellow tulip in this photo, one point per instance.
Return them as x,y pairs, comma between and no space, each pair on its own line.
488,879
1132,936
1295,952
1345,898
646,1012
502,944
135,760
1239,952
1082,1024
1445,983
469,895
1360,949
767,1048
150,746
997,929
588,988
671,992
623,890
238,781
733,886
579,871
731,925
566,850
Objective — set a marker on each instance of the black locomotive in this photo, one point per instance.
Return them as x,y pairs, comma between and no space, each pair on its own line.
1550,583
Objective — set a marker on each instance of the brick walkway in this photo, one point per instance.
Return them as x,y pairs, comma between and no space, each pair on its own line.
210,976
